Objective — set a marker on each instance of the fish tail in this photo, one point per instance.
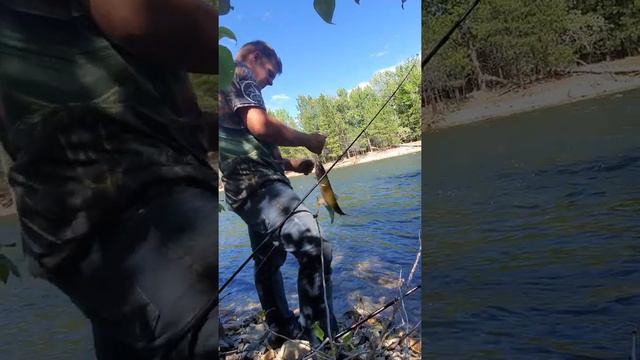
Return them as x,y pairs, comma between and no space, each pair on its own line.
338,210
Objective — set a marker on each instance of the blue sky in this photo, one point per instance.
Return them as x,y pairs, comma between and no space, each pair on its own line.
319,58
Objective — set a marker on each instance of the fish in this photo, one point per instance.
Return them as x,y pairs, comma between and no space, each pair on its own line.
329,197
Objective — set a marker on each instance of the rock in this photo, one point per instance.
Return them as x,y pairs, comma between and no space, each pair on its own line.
415,345
262,327
269,355
232,325
390,343
293,350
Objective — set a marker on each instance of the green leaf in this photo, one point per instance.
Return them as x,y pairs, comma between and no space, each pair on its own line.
347,338
226,68
224,6
325,9
225,32
317,331
220,208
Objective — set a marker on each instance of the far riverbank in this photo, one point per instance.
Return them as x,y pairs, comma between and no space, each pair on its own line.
399,150
402,149
581,83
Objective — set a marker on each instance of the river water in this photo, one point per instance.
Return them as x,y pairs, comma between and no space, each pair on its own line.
36,320
376,242
532,234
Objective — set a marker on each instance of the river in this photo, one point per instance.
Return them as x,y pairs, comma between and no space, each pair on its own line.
532,234
37,321
372,245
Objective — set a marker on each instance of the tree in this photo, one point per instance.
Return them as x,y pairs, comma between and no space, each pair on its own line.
514,42
343,116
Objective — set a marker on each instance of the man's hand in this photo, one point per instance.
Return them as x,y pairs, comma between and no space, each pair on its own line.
316,142
303,166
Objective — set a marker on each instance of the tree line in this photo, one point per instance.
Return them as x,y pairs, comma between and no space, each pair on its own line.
515,42
341,117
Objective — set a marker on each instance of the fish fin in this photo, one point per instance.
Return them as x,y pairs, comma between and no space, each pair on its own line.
331,212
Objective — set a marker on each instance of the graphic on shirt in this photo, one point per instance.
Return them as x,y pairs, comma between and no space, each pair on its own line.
250,92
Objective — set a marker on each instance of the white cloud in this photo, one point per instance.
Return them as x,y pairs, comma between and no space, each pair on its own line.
361,85
280,97
380,53
267,16
390,68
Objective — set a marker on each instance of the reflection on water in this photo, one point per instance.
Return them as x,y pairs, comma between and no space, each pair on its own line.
375,243
532,228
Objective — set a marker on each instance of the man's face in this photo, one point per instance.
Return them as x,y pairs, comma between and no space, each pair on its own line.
264,71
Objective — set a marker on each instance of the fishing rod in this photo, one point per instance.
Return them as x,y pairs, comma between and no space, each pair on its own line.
294,210
359,323
425,61
445,38
202,316
375,313
214,302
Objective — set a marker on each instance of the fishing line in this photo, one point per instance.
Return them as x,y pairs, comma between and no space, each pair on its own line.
445,38
425,61
201,318
359,323
277,227
214,302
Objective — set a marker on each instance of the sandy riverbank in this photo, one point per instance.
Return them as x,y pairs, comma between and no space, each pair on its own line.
583,82
403,149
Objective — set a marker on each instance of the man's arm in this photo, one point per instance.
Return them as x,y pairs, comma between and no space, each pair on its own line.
177,33
275,132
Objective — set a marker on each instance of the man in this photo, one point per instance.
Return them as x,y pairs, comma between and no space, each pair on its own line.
259,192
116,201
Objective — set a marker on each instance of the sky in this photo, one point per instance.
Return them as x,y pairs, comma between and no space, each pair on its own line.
319,58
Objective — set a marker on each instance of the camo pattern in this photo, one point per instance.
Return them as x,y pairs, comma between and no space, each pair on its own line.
88,128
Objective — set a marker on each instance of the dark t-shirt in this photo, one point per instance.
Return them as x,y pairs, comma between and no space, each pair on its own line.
246,162
90,130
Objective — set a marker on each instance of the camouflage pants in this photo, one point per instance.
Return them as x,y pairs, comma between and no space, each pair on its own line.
299,235
147,284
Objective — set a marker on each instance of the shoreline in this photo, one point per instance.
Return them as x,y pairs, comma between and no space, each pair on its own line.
399,150
581,83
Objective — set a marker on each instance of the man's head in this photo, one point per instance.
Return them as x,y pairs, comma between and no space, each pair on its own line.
262,60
